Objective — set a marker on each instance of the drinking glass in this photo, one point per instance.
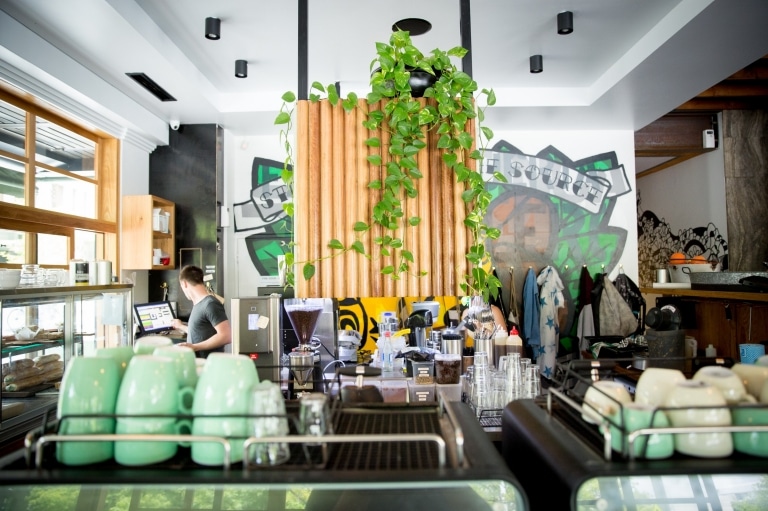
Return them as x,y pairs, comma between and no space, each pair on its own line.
29,274
268,419
481,382
467,384
532,382
314,415
514,377
499,389
525,363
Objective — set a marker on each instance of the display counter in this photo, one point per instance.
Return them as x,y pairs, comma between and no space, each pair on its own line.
573,464
378,456
42,329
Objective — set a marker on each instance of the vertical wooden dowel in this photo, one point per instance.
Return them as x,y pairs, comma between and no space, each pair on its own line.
324,203
438,213
301,193
338,206
375,276
312,210
362,200
350,197
425,229
388,285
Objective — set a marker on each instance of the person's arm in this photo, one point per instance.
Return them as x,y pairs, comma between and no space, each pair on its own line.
180,325
222,337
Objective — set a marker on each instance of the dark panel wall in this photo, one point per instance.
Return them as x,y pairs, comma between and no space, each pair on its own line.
189,172
745,138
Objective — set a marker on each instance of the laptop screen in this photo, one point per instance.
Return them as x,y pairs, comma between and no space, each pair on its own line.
154,318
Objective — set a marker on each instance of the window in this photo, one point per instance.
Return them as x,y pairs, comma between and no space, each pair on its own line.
58,187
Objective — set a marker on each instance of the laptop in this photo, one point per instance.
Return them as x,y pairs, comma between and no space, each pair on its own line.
155,318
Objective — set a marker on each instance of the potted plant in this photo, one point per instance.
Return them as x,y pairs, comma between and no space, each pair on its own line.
450,106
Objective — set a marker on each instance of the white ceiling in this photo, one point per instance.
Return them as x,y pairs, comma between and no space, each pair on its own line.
627,63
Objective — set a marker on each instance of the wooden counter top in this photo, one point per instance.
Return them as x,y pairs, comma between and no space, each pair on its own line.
701,293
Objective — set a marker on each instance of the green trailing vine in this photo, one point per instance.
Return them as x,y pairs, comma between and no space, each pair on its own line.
407,120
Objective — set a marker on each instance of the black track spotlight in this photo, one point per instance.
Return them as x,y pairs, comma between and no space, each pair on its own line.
213,28
241,68
536,64
565,23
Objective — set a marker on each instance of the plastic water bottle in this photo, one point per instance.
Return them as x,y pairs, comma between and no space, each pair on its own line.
387,352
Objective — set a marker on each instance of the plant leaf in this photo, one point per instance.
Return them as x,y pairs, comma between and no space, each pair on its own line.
335,244
288,97
308,271
283,118
358,247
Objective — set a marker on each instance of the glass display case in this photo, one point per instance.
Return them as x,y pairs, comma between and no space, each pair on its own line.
42,328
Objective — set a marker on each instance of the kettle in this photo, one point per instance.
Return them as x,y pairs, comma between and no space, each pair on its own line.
418,322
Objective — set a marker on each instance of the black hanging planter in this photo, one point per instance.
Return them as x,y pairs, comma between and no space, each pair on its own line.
419,81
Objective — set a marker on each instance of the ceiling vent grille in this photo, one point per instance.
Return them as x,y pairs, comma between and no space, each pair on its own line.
152,86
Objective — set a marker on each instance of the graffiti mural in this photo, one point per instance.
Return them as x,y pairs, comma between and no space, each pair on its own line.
263,216
554,211
656,242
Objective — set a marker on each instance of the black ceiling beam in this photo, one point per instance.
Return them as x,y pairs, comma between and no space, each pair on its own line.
303,86
465,26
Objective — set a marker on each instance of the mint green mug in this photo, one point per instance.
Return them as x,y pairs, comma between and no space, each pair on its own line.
148,403
752,442
149,343
223,390
633,417
122,354
184,363
89,387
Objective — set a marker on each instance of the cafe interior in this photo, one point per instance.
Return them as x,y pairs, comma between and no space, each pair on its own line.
428,300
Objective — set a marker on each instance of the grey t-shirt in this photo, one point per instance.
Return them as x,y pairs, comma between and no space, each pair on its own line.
205,315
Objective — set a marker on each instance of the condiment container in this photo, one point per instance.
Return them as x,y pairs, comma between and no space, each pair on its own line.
447,368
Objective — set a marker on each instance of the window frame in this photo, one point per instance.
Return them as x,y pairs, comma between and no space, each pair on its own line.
33,220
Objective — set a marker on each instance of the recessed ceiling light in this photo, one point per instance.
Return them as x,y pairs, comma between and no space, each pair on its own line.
414,26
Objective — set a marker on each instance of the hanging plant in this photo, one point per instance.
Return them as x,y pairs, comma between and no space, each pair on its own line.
408,121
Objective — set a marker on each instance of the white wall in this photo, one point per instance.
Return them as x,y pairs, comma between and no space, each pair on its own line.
689,194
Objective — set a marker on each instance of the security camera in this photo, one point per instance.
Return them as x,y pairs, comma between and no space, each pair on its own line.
175,125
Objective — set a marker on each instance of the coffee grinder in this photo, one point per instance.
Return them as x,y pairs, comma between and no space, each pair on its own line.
303,317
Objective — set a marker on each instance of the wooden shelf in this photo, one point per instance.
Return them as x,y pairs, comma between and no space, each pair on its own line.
702,293
138,236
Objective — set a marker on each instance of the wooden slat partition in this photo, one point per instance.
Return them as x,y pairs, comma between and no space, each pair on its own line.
331,194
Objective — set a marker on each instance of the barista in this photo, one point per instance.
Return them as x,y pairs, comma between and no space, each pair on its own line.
208,329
